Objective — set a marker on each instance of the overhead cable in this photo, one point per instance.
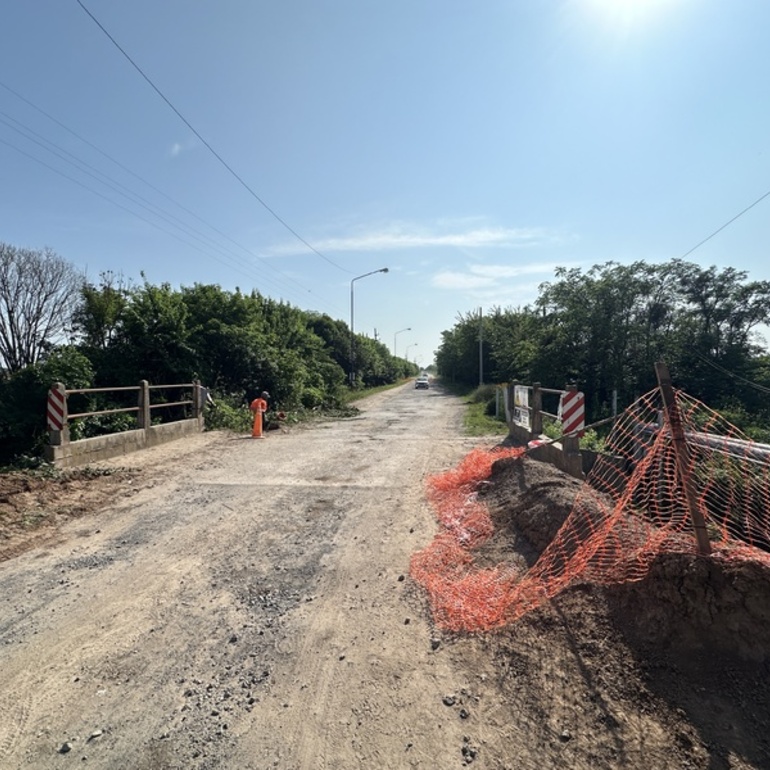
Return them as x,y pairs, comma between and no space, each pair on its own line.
206,144
160,192
132,196
726,224
715,365
59,151
125,208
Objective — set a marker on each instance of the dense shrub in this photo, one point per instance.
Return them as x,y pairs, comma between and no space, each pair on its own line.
23,429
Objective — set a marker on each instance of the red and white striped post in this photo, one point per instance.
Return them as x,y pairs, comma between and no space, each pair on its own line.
572,409
57,415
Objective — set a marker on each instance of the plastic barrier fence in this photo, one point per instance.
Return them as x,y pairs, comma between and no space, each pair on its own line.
632,507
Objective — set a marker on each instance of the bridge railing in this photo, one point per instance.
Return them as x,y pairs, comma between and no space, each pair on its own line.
62,451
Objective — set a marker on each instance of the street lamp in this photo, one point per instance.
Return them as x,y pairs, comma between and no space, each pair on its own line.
408,329
410,345
352,333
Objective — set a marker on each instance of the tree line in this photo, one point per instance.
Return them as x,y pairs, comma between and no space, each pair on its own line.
56,326
603,329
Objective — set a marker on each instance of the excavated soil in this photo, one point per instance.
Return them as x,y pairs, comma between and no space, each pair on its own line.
671,671
224,603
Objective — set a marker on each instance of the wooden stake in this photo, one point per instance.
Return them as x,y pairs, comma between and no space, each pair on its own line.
682,456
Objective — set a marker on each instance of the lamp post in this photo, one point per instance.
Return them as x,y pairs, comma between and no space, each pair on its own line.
408,329
352,333
410,345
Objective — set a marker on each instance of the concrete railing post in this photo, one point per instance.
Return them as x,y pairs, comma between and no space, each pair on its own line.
571,447
537,411
197,399
58,428
143,417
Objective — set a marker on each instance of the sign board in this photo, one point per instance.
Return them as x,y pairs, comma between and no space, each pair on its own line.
521,415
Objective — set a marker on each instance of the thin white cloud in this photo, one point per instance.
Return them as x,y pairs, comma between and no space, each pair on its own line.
495,285
401,236
478,276
497,272
177,148
388,240
448,279
494,294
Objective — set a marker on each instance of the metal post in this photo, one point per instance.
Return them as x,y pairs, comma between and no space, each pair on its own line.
682,456
407,329
536,425
352,316
352,375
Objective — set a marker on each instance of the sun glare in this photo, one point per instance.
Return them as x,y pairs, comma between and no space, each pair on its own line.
627,15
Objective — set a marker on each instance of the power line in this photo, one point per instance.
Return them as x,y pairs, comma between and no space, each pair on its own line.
129,195
144,181
207,145
133,196
114,202
726,224
715,365
125,208
114,185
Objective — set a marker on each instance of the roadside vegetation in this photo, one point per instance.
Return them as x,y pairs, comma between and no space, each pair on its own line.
605,328
55,326
602,330
484,410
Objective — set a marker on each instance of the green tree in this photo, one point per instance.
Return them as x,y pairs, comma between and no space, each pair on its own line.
457,358
152,339
228,335
24,397
605,328
97,317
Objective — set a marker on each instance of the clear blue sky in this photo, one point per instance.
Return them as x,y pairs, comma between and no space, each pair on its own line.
470,147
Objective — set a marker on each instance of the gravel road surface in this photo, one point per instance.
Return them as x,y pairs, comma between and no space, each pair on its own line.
244,604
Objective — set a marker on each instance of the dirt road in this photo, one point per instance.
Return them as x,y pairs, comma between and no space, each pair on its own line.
244,604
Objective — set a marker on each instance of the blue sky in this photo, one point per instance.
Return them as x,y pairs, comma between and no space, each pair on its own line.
470,147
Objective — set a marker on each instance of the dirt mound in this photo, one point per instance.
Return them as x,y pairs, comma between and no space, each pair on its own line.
685,601
669,671
529,501
34,504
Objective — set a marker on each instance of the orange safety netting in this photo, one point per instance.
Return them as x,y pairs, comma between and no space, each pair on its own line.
632,507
